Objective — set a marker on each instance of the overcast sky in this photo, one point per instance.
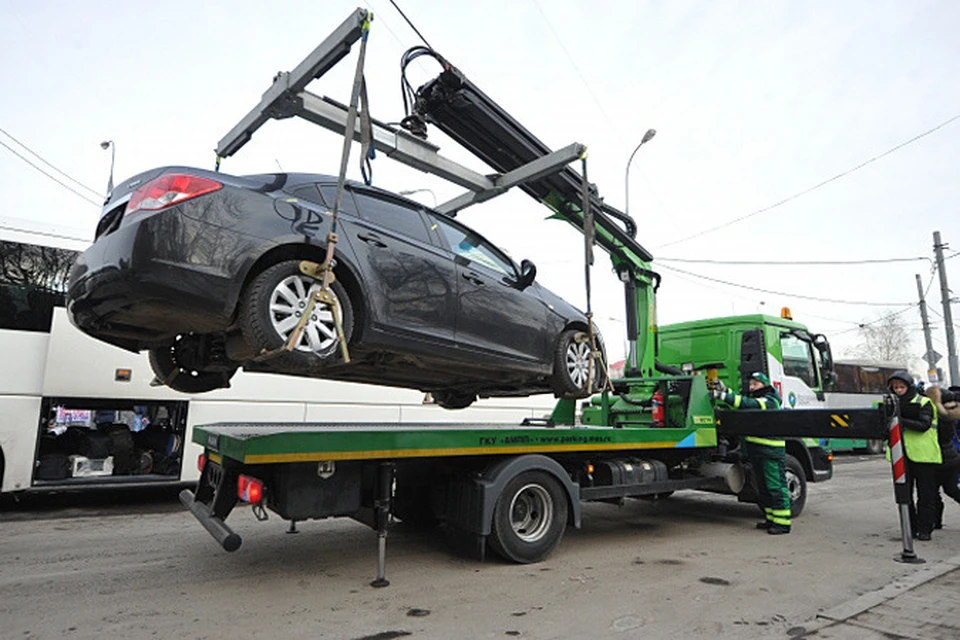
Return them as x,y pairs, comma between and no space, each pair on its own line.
754,103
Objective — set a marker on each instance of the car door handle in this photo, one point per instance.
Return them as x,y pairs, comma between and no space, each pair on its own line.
472,277
372,238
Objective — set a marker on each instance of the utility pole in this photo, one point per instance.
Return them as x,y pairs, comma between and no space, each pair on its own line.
930,356
947,315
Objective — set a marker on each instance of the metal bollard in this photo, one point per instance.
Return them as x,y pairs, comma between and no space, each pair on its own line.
901,488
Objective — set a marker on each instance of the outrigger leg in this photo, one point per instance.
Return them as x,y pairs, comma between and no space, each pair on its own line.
382,508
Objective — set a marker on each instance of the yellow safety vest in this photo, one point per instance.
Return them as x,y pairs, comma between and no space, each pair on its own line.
923,446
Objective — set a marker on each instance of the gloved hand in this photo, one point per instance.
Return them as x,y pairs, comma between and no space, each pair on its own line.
719,390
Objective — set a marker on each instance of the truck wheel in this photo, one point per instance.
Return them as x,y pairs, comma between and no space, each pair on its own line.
529,518
796,485
571,366
172,365
272,306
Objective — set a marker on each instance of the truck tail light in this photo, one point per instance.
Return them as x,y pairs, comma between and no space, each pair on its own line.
201,462
249,489
168,190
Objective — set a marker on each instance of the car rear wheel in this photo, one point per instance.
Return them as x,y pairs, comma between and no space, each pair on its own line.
175,366
273,305
453,399
572,366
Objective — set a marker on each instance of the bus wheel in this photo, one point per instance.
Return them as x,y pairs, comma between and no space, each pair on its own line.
529,518
173,368
875,446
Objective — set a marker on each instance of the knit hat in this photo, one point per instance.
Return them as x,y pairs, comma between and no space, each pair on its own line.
762,377
901,375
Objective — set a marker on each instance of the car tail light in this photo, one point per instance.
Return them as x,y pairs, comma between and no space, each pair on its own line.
201,462
249,489
168,190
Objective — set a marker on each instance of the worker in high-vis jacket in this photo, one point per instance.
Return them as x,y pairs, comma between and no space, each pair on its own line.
921,447
767,456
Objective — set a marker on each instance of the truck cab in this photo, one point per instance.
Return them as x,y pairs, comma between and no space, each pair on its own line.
798,363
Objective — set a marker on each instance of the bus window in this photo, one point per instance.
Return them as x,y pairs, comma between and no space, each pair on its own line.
33,280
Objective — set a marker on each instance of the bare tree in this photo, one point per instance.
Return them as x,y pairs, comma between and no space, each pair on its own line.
884,340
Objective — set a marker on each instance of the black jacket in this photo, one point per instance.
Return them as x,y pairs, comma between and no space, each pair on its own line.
916,416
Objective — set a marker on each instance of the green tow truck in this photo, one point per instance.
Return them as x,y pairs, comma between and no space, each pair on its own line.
512,488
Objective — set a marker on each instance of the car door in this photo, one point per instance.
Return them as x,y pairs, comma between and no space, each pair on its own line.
494,315
411,283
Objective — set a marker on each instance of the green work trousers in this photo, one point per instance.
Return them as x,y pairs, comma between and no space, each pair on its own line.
770,471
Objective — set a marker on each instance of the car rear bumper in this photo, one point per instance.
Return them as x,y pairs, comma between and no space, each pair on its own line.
153,278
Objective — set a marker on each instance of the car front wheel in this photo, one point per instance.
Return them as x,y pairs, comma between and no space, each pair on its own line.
453,399
572,366
274,304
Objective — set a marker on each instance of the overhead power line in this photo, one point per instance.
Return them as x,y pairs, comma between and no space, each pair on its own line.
789,295
41,159
65,186
816,186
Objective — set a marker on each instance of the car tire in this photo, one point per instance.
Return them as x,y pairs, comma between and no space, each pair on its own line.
529,518
172,373
571,365
270,310
453,400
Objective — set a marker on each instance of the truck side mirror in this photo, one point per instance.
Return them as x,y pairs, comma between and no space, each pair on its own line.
528,272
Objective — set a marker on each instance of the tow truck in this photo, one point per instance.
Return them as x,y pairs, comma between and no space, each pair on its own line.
512,488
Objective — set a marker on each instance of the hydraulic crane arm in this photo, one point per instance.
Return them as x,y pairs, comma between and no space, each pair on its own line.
461,110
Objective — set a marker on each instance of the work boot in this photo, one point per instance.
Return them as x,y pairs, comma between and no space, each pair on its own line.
766,524
778,529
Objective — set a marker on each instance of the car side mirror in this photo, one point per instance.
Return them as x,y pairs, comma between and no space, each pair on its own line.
528,273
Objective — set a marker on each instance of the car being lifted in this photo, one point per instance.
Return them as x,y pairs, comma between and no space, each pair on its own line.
203,270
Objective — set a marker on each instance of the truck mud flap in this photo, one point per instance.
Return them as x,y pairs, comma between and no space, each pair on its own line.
229,540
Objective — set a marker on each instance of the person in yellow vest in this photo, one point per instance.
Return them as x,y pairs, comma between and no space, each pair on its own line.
767,456
918,422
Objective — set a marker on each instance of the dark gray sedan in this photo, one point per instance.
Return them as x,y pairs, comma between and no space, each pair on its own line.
203,270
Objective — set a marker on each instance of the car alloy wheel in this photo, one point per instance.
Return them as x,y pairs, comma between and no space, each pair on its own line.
275,302
578,362
289,301
572,365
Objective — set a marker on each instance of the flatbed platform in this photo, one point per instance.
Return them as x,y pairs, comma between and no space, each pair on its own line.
265,443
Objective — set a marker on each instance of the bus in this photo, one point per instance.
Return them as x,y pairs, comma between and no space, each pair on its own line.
79,414
859,384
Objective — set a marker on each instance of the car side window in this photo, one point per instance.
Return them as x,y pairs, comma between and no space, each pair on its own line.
329,194
308,193
393,216
468,244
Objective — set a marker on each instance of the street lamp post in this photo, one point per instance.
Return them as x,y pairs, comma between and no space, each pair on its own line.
413,191
647,137
109,144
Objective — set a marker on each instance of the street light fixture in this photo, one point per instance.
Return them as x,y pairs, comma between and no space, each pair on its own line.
109,144
647,137
413,191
